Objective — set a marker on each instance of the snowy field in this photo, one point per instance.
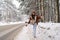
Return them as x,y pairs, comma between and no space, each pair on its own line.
45,31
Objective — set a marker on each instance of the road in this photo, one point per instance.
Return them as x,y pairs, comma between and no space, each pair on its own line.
8,32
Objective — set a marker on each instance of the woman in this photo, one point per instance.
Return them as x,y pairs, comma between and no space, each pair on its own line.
34,19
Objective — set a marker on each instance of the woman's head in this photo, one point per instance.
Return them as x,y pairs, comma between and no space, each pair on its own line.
33,12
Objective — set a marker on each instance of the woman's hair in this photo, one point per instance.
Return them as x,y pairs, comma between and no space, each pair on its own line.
33,11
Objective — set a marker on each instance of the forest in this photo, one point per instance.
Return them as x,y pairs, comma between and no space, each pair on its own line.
14,10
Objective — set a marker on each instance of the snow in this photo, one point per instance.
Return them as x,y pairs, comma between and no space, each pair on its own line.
25,34
10,23
49,31
45,31
16,3
24,18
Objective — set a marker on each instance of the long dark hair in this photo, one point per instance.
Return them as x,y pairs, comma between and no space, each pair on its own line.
33,15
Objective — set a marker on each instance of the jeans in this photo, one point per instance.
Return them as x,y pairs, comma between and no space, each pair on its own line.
34,29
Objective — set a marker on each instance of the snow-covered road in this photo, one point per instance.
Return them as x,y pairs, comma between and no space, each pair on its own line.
8,32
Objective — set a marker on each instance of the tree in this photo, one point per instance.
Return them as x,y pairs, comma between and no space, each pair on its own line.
57,11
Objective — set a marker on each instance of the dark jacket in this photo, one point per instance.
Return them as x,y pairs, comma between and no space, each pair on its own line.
33,18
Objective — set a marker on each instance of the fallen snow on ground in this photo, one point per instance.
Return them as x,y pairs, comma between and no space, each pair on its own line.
10,23
48,31
25,33
45,31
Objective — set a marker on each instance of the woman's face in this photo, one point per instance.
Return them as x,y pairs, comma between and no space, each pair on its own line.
33,13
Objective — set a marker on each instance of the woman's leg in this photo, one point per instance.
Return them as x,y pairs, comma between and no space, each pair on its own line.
34,30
